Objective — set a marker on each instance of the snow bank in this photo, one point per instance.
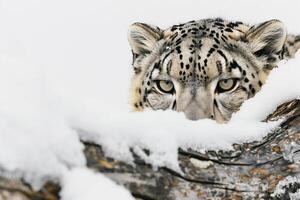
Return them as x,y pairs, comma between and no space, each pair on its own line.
75,187
282,85
64,76
32,135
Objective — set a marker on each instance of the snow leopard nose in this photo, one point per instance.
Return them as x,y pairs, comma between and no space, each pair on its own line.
194,112
196,104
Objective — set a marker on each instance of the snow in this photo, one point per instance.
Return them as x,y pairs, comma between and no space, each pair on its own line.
60,81
75,186
30,130
282,85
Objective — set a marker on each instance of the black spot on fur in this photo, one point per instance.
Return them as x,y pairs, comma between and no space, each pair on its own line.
216,40
174,36
231,25
202,28
216,104
233,64
199,66
145,95
178,41
178,49
224,38
223,55
174,28
174,105
219,24
215,46
211,50
195,29
137,70
184,35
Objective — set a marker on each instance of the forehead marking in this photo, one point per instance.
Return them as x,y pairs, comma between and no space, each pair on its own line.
211,50
223,55
166,56
234,65
193,32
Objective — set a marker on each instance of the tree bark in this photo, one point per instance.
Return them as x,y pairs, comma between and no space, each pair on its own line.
250,171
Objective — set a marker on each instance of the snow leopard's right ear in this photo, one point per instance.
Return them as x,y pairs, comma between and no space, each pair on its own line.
143,38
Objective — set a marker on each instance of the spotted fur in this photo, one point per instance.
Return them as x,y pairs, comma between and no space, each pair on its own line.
198,59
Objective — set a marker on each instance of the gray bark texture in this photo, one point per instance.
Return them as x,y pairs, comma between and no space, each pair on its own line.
250,171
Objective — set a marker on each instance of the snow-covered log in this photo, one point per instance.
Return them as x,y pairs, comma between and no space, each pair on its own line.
265,169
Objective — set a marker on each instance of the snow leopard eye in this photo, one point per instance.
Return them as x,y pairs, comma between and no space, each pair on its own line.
226,85
165,86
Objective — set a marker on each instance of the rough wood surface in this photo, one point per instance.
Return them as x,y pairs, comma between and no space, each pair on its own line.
250,171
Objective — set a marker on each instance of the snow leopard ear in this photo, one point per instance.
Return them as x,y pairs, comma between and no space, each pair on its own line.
266,40
143,37
291,46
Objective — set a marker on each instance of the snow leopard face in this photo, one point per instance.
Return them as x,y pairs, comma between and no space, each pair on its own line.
205,68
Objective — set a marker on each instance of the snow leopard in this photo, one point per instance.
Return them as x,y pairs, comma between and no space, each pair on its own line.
205,68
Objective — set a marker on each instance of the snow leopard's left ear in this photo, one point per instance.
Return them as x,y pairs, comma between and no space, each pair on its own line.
267,40
291,46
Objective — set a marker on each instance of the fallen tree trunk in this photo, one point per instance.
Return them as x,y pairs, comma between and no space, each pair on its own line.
250,171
